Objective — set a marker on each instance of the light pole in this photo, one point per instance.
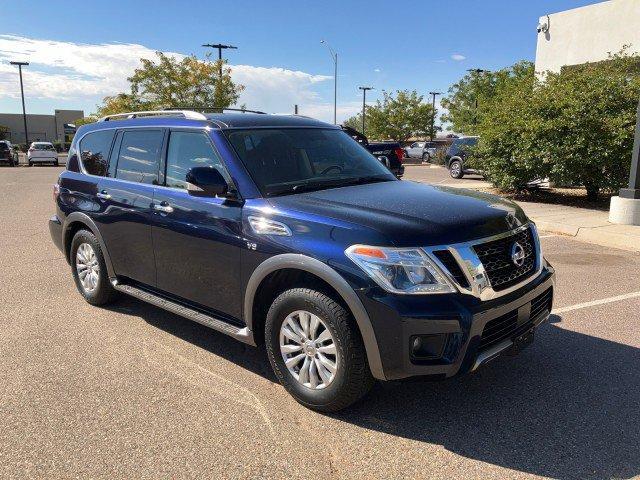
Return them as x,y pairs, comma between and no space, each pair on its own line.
364,101
433,112
477,71
334,56
24,111
220,47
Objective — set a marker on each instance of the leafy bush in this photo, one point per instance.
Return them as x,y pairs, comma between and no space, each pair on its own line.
573,127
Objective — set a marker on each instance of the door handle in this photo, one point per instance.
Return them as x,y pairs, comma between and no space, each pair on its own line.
103,195
163,207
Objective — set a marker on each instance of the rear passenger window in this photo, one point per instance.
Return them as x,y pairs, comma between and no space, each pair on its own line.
186,151
94,151
139,156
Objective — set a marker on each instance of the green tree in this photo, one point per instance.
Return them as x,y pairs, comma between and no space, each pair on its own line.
398,117
169,82
573,127
355,122
469,97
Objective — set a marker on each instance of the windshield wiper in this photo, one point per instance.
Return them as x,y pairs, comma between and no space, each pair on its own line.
308,186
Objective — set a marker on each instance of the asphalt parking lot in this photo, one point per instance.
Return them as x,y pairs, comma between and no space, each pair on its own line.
132,391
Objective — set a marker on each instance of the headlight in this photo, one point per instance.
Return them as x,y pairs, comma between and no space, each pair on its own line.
400,270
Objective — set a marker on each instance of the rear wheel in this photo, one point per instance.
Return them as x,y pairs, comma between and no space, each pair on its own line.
316,351
455,169
426,157
89,269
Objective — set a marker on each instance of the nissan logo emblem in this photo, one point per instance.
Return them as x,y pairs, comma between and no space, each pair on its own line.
517,254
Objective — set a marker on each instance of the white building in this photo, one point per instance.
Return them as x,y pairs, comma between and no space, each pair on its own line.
587,34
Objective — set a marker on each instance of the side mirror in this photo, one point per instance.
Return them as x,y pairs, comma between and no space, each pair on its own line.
206,182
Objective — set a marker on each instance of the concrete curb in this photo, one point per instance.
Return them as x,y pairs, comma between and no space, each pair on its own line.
605,236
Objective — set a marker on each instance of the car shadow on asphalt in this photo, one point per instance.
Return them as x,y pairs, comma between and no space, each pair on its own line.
245,356
566,407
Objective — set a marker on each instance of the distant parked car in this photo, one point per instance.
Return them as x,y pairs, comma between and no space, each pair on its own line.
6,153
424,150
390,154
42,152
456,155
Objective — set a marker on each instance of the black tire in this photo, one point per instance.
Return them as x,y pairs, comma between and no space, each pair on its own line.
30,163
104,292
455,169
353,378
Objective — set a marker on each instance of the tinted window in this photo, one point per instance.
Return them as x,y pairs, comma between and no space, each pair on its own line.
281,160
188,150
4,146
139,156
94,151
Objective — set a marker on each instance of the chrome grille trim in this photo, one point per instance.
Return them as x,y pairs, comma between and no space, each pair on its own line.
469,262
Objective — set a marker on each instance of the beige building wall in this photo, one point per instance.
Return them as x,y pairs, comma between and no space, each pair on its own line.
41,127
587,34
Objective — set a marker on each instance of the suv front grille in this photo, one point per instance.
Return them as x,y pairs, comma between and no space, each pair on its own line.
496,259
447,259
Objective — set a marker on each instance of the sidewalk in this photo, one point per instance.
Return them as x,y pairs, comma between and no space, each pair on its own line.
583,224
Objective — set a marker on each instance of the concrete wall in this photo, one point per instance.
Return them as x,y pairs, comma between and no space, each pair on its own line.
41,127
588,33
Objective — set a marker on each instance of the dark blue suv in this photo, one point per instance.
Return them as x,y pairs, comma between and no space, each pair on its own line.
283,231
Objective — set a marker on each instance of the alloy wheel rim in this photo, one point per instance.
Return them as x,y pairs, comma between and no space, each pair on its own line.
455,169
308,350
87,267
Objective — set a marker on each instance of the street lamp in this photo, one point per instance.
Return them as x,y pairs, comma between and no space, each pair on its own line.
24,111
220,47
334,56
477,71
433,112
364,100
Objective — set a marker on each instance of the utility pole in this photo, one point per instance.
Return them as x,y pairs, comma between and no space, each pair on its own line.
334,56
24,111
295,109
433,113
220,47
477,71
364,101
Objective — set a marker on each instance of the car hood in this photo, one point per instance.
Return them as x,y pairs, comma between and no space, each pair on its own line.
409,213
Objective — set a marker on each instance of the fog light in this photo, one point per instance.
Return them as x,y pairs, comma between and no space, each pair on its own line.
427,347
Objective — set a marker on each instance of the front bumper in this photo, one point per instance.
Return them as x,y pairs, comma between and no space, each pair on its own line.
459,318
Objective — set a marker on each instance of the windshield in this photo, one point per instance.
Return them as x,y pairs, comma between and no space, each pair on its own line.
4,146
291,160
42,146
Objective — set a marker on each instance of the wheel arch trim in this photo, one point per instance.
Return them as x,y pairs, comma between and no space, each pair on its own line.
333,278
83,218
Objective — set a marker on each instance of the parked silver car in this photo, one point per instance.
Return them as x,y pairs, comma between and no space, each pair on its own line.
424,150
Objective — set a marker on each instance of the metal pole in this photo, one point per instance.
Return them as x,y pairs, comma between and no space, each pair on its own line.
24,110
220,47
335,89
433,113
364,100
634,173
334,57
295,109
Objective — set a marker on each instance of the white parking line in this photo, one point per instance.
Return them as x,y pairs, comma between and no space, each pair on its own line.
547,236
578,306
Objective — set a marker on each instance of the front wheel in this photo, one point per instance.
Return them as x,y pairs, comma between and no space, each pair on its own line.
316,351
455,169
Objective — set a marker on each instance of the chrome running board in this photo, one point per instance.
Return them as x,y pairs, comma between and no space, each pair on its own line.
243,334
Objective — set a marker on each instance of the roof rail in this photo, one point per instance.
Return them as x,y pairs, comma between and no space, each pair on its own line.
217,109
191,115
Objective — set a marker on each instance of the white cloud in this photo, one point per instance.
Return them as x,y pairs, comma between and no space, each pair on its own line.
63,72
377,70
457,57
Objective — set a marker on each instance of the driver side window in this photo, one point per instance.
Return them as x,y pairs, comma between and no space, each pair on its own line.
186,151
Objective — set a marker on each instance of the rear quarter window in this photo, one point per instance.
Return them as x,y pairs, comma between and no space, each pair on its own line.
94,151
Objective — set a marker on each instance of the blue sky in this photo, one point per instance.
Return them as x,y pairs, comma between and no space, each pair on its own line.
81,51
